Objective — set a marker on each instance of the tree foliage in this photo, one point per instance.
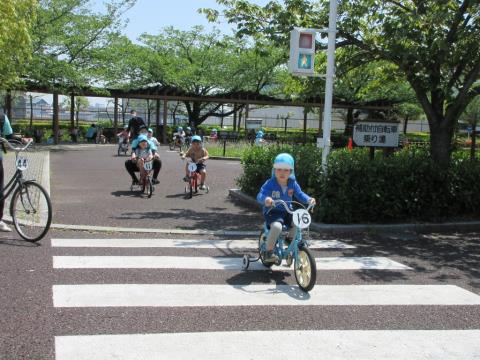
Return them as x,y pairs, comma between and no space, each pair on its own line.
435,45
15,40
204,64
68,38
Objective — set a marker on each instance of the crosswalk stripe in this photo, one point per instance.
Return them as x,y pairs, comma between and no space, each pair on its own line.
239,345
184,243
214,263
176,295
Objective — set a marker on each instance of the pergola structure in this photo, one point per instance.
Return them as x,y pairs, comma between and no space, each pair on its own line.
169,93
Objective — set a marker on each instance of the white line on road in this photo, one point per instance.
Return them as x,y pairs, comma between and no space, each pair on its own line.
214,263
176,295
240,345
184,243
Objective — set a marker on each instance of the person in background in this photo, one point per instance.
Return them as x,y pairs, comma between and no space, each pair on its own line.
7,133
199,155
134,124
152,138
214,135
91,134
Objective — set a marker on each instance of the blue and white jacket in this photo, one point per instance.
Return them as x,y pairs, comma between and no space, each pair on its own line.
272,189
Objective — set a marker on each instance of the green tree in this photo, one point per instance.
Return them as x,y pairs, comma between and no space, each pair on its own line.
471,116
208,64
80,103
67,40
435,45
15,41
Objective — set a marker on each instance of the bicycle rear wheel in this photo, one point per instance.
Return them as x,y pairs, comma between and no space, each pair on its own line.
31,211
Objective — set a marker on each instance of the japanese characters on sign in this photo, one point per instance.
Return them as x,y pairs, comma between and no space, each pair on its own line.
376,134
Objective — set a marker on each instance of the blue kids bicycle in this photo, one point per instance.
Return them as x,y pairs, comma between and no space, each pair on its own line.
296,251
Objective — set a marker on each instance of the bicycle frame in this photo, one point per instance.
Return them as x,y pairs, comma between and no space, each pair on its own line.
17,179
279,249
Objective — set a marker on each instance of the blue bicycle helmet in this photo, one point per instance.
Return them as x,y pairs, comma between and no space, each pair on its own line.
284,161
214,130
142,137
150,130
196,138
179,128
260,134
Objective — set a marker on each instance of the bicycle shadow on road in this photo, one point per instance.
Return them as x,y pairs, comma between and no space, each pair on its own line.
127,193
18,242
245,278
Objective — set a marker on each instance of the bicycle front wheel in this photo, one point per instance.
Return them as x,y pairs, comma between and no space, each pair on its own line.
31,211
305,269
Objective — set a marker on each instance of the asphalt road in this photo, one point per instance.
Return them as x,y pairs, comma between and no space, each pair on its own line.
29,321
85,295
92,187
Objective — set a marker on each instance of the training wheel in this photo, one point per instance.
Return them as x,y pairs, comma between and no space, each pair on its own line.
245,262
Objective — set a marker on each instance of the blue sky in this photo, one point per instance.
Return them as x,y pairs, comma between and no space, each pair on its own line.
151,16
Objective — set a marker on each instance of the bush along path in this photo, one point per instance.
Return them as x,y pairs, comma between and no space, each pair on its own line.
406,186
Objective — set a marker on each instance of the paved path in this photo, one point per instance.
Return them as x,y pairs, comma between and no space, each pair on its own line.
80,296
91,187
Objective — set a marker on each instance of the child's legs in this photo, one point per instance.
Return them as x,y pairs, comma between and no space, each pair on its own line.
273,234
140,163
203,175
292,231
187,173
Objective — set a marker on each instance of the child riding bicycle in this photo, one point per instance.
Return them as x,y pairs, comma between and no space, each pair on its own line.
281,186
142,154
199,155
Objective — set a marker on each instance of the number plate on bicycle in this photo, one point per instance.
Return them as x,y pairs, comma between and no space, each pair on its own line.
22,163
148,165
192,167
302,218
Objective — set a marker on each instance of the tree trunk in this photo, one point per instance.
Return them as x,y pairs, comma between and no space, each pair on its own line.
305,115
474,140
72,111
405,124
234,117
55,118
349,123
31,113
441,143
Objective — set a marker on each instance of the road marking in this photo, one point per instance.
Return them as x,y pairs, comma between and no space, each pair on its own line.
214,263
183,243
240,345
176,295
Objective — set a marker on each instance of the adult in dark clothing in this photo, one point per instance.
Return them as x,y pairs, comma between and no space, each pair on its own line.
134,124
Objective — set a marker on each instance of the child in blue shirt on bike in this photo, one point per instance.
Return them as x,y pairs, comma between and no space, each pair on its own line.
281,186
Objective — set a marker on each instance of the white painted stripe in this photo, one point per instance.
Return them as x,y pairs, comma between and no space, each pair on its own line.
240,345
214,263
183,243
176,295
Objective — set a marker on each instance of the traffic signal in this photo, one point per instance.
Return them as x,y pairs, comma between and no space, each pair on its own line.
302,52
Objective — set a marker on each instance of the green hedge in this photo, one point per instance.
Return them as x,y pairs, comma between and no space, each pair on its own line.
406,186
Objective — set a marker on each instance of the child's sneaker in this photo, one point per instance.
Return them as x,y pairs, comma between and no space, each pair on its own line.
270,256
4,227
202,187
185,178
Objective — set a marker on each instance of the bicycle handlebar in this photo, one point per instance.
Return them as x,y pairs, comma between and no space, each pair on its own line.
285,205
16,149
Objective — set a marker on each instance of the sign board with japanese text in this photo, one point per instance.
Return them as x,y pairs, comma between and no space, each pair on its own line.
376,134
